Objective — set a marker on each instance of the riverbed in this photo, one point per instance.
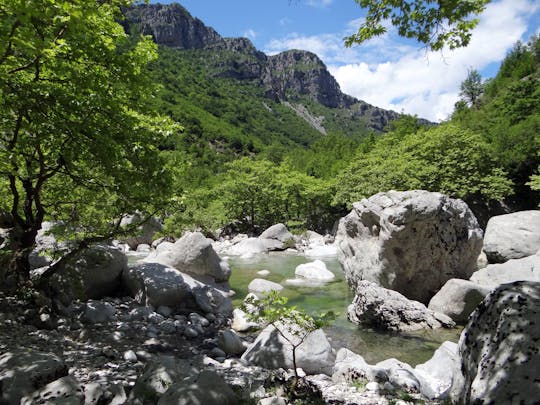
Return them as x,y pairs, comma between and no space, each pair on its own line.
374,346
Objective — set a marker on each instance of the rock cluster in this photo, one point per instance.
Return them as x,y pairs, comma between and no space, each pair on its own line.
411,242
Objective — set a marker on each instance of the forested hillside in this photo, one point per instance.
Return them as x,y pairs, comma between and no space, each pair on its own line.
272,138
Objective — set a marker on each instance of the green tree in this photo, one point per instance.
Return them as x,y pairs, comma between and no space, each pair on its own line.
446,158
77,142
472,88
435,23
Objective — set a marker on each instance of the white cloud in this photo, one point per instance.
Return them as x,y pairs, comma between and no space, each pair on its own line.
403,76
251,34
319,3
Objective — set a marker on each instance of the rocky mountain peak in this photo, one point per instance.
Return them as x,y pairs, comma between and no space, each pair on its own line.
303,73
170,25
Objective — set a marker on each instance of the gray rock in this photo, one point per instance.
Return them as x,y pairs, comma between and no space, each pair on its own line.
193,254
190,332
436,375
198,319
156,285
411,242
93,273
277,237
98,311
207,389
273,401
230,342
458,299
145,231
350,367
261,287
130,356
315,271
512,236
65,390
498,352
389,310
164,310
248,247
271,350
524,269
240,322
158,376
24,372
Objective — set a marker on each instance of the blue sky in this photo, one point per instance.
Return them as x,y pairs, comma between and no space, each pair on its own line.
388,72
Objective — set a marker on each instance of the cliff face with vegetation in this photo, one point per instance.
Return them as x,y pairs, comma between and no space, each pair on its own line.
289,76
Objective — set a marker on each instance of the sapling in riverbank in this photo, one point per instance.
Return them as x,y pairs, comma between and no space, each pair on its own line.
292,324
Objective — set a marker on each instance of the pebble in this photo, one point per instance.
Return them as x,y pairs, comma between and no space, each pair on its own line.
130,356
197,319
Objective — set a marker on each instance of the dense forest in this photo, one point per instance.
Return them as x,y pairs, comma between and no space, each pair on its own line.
228,174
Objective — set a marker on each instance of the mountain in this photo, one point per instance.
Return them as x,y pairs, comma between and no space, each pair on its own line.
229,93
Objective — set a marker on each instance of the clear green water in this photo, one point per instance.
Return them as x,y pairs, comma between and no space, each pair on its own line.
413,348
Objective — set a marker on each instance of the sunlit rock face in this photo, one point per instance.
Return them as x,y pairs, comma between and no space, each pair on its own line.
411,242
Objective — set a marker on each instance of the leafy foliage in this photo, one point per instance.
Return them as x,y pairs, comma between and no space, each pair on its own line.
77,142
446,158
433,23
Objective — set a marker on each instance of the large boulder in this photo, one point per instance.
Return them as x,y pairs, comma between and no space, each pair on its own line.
498,352
92,273
158,285
524,269
315,271
22,373
261,287
458,299
272,350
512,236
277,237
192,254
385,309
410,241
208,388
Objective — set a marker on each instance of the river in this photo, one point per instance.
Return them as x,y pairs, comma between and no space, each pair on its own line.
374,346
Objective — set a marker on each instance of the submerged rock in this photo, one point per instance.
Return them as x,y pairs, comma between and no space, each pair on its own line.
411,242
389,310
512,236
498,352
261,287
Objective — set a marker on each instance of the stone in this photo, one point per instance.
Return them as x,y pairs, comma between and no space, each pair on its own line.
389,310
321,251
271,350
130,356
46,245
246,248
400,374
261,287
158,375
164,310
277,237
458,299
22,373
158,285
273,401
524,269
436,375
498,351
512,236
198,319
193,254
240,322
230,342
93,273
350,367
263,273
315,271
409,241
65,390
98,311
145,231
208,388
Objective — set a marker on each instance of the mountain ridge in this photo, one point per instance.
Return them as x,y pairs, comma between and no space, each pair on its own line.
285,77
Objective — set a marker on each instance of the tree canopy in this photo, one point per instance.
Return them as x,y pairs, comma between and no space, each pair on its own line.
78,143
435,23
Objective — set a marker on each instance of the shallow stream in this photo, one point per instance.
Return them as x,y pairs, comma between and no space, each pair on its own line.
413,348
